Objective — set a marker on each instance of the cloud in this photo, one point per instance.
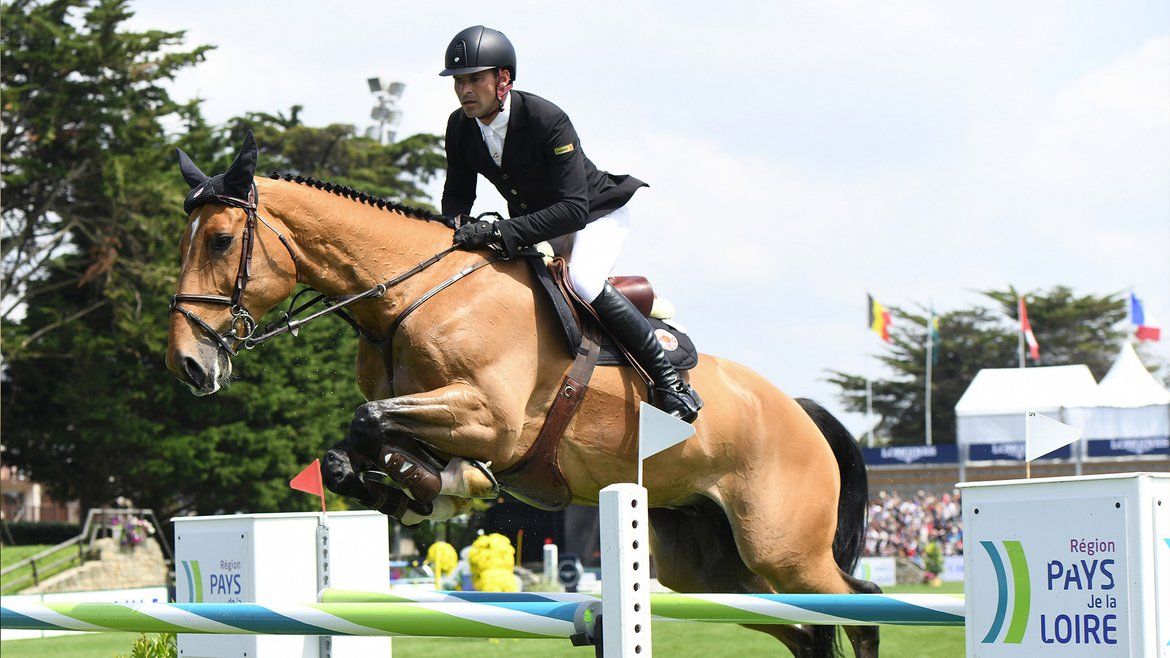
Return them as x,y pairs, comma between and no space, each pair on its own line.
799,154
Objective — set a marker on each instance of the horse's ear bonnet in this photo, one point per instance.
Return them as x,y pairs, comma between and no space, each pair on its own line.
236,182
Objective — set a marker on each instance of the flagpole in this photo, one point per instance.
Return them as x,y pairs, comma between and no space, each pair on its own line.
1130,336
1027,442
929,364
869,410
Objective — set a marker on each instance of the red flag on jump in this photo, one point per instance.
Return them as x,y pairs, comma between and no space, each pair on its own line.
1029,337
309,481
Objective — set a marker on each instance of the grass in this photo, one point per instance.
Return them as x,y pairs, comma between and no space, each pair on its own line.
22,578
13,554
678,639
670,639
945,588
86,645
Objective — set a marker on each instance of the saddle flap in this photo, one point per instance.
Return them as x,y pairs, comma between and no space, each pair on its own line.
553,278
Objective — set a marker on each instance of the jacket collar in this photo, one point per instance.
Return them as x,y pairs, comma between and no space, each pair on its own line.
519,118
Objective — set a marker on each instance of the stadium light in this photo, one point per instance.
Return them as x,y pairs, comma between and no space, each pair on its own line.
385,110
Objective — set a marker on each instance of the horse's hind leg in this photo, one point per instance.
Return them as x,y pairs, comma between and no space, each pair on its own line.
784,532
784,521
863,638
694,552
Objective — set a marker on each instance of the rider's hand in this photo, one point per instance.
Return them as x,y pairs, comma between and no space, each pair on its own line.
477,235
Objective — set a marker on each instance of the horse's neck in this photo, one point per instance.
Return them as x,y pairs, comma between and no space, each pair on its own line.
347,247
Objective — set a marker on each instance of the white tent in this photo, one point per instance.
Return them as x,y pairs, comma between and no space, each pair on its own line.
1131,403
992,408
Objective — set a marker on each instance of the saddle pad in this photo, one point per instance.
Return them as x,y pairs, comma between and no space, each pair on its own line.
676,344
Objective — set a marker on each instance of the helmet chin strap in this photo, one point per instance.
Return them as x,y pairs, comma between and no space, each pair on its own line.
502,90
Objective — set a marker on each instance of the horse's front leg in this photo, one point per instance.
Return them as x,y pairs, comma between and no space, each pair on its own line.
381,445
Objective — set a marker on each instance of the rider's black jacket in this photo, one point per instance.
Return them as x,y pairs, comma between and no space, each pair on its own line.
552,189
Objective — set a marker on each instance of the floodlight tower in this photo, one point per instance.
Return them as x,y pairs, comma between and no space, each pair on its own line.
385,111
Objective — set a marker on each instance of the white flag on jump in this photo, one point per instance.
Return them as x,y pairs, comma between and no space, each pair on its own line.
1042,435
658,430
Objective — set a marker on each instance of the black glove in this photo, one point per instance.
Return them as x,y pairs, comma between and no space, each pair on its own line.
477,235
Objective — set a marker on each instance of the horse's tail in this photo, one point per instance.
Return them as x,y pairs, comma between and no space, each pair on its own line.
853,499
852,507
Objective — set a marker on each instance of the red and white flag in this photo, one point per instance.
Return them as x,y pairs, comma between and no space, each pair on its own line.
1029,337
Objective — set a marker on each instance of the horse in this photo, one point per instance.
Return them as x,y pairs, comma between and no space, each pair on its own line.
768,495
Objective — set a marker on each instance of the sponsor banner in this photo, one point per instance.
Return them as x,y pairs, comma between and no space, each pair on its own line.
897,455
880,571
217,569
1010,451
1129,447
1060,586
952,569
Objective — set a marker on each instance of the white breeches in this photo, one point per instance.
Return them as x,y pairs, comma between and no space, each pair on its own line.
593,251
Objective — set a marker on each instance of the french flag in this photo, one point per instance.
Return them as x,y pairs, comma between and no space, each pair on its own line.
1145,326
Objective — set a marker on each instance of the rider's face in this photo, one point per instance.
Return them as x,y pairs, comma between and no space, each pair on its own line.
477,93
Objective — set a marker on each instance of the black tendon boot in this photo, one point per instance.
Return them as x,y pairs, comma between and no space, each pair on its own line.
630,328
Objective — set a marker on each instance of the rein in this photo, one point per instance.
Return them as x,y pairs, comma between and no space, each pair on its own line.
243,326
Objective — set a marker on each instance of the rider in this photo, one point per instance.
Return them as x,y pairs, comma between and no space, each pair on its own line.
527,148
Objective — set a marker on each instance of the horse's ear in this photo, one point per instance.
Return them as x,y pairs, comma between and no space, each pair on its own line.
191,173
237,180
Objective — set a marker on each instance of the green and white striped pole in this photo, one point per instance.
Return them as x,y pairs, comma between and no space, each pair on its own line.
852,609
451,619
476,614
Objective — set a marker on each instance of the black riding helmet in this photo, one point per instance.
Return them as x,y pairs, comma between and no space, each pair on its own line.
479,48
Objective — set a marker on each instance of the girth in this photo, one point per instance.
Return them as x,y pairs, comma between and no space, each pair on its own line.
537,478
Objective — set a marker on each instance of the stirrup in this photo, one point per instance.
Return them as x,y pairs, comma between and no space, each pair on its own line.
485,468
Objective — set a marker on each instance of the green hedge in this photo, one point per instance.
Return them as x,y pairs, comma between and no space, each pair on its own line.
25,532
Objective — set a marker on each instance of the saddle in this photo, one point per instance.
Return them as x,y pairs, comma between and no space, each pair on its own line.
574,312
537,478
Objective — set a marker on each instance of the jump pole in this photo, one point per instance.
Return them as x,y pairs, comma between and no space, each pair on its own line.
476,614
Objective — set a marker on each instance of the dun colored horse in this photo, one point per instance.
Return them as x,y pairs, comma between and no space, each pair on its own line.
768,495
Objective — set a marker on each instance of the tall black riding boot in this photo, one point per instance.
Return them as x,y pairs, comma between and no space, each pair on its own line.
630,328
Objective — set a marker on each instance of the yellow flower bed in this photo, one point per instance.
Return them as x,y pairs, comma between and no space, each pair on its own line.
491,559
442,556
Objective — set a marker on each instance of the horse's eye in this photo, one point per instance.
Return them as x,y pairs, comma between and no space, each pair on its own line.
221,242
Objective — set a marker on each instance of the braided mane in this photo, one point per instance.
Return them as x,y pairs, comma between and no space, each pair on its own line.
363,197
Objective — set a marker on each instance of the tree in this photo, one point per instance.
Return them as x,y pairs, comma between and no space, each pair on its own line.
81,108
336,153
90,408
1070,329
1074,329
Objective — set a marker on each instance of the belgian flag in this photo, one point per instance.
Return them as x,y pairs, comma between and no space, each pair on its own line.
879,318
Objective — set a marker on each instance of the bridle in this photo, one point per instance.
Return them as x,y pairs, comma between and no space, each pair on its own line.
243,326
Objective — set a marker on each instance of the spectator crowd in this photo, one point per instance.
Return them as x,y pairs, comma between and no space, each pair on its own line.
903,526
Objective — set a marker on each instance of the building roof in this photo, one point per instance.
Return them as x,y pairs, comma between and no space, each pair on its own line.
1128,384
997,391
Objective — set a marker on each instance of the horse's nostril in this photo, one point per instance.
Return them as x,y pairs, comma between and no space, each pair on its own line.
194,372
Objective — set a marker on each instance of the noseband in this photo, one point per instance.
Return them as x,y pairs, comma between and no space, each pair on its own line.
243,325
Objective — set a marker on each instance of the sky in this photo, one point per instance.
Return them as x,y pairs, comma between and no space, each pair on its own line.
799,155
